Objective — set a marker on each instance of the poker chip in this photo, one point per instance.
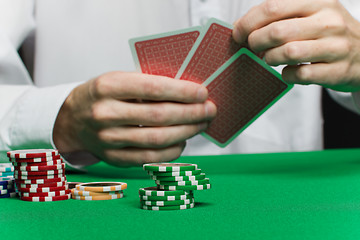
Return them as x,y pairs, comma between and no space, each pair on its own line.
180,178
174,174
154,191
6,174
30,164
183,183
7,180
33,153
100,197
167,208
101,186
35,160
45,194
169,167
9,195
165,198
38,173
175,185
87,193
2,187
46,199
44,189
6,168
53,184
40,181
185,188
37,168
51,176
167,203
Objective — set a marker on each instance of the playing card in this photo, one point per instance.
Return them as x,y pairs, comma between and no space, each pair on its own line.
242,89
163,54
212,49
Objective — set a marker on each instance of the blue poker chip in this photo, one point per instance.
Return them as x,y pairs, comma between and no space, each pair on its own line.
7,180
7,191
9,186
9,195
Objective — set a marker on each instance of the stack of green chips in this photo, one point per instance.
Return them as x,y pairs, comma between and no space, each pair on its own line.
175,185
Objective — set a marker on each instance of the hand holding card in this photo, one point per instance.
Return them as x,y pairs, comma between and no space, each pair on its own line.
240,84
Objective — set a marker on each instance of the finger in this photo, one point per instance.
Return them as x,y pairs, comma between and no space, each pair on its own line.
121,85
330,75
115,113
274,10
127,157
149,137
323,50
322,24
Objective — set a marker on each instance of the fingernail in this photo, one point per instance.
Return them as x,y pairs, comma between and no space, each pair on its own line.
202,94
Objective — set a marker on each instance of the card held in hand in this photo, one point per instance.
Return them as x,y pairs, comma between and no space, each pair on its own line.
242,89
163,54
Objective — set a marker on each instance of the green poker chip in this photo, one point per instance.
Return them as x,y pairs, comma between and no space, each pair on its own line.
175,174
166,208
154,191
183,183
179,178
167,203
165,198
185,188
169,167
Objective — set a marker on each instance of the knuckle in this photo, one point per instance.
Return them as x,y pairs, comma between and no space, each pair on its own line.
304,74
150,156
157,114
292,52
278,33
156,138
104,136
335,22
99,112
271,8
153,88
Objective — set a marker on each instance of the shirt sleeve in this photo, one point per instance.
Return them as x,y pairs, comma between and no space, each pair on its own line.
27,112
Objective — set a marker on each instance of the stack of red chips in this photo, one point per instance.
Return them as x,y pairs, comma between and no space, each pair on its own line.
39,175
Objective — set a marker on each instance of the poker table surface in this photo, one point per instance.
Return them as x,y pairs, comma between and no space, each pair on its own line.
297,195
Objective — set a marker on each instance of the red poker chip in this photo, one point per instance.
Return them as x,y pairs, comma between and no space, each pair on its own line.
35,160
44,189
45,194
33,153
39,173
40,168
40,181
39,164
23,177
52,184
46,199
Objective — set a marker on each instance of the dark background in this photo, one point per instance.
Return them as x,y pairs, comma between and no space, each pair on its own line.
341,126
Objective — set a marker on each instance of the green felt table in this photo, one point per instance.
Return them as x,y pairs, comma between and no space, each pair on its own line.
309,195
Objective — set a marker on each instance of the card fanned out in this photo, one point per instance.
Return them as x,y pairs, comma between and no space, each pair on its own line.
163,54
241,85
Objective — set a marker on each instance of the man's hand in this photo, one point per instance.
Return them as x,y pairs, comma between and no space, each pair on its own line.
106,117
294,33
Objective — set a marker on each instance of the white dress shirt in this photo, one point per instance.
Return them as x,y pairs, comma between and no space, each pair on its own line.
79,40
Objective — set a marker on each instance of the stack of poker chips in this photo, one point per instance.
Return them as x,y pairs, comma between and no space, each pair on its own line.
98,191
175,185
7,183
39,175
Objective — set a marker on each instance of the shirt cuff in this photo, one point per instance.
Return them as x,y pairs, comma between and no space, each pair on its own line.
35,117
